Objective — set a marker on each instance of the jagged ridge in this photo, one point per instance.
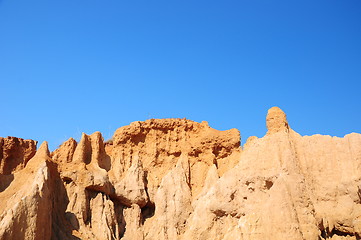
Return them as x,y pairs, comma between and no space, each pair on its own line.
179,179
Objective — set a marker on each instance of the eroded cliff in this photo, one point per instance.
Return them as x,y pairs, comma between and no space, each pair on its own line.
179,179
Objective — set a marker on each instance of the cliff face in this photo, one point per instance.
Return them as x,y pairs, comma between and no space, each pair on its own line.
179,179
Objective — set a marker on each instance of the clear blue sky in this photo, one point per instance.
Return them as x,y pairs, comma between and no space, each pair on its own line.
75,66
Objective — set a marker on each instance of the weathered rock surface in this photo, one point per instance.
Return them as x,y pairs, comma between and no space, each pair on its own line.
179,179
26,205
15,153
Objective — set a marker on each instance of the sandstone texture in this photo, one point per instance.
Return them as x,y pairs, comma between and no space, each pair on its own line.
178,179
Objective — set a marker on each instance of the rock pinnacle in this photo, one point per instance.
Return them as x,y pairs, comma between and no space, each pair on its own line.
276,120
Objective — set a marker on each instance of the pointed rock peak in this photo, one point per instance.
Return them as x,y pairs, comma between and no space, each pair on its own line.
276,120
83,143
83,139
64,154
71,140
97,148
43,150
83,150
41,155
96,136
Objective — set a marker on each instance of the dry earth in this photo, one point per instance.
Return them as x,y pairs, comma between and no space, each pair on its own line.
179,179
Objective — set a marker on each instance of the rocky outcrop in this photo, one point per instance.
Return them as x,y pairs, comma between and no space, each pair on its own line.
179,179
173,204
132,188
15,153
26,205
159,143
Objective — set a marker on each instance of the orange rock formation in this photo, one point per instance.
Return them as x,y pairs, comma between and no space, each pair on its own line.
179,179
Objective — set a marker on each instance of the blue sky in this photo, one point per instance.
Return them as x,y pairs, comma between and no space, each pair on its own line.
68,67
